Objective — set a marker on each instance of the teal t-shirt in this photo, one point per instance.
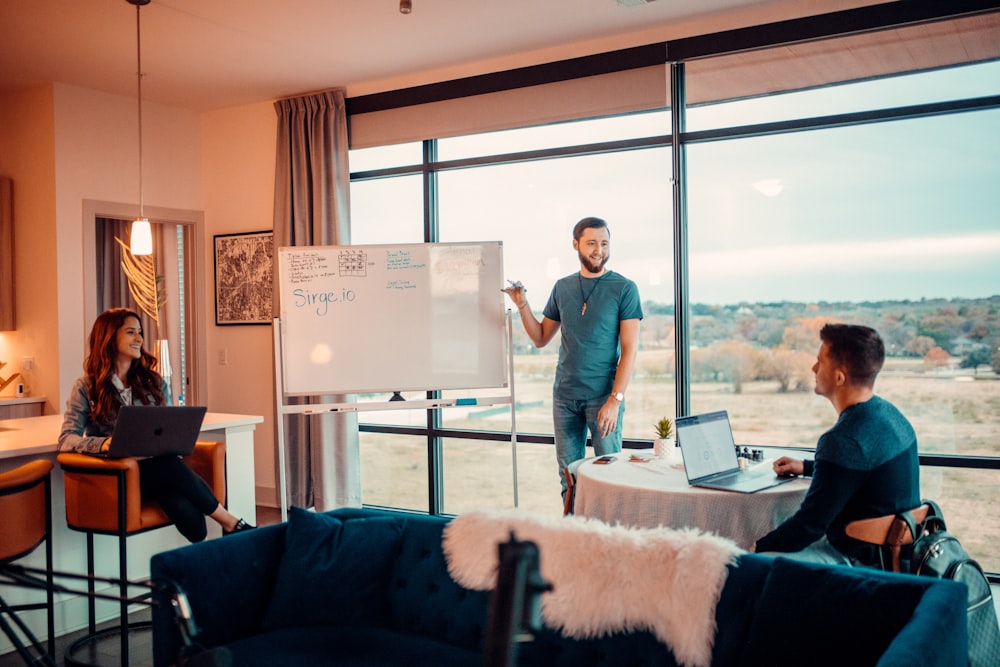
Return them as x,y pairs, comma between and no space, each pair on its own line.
589,345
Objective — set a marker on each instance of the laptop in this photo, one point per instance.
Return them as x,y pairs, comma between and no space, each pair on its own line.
155,430
710,461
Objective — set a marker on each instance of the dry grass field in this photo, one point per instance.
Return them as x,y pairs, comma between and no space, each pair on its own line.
951,414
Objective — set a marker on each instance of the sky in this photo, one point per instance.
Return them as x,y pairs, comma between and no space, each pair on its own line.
893,210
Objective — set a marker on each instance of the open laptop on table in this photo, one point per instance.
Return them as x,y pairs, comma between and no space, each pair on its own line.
710,461
156,430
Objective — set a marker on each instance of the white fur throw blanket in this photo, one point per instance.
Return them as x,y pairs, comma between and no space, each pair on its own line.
606,578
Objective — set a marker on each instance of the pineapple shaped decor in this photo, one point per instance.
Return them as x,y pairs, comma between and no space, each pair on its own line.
665,443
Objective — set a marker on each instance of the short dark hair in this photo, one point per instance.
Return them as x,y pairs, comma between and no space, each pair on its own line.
859,349
589,223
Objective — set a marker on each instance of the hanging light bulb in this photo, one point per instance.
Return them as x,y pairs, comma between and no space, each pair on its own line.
405,6
141,236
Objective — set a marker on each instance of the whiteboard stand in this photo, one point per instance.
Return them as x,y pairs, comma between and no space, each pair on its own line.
279,396
513,405
282,409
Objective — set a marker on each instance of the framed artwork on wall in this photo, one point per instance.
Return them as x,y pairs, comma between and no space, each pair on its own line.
244,278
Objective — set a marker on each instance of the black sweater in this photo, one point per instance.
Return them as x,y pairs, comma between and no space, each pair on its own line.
866,466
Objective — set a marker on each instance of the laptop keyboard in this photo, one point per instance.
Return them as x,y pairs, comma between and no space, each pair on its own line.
743,477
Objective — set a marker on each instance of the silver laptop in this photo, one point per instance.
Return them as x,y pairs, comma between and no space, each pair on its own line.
710,461
156,430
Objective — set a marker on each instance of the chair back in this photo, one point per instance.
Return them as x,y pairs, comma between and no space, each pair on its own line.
25,508
891,533
104,495
570,491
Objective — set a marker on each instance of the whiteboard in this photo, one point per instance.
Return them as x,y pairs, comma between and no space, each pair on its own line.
384,318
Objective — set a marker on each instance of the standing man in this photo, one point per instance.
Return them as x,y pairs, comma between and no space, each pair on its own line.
866,465
598,311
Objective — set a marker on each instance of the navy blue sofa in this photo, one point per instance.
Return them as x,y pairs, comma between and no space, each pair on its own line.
369,587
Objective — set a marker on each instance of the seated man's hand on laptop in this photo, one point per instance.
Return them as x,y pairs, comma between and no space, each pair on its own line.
785,467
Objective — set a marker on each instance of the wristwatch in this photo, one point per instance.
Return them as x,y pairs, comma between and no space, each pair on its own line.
618,396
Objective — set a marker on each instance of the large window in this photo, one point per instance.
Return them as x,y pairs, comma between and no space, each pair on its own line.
893,225
840,181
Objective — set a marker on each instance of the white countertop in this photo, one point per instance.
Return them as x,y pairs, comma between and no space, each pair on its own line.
32,436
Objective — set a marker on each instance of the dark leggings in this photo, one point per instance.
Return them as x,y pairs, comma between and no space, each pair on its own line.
183,495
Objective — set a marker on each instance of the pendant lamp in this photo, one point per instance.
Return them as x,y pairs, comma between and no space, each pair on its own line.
141,236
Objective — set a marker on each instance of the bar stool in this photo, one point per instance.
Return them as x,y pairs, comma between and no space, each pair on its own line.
103,498
26,511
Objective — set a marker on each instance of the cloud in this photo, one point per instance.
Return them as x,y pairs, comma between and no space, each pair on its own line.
930,253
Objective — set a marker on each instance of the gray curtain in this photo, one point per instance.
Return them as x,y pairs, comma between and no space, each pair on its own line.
312,207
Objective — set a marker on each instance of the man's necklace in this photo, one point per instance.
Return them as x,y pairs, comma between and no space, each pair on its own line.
583,310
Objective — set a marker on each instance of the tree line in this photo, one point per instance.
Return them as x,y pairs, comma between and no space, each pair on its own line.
777,341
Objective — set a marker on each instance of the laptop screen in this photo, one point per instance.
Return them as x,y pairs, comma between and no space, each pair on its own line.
707,444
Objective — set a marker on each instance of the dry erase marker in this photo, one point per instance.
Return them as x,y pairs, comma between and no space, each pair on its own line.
518,285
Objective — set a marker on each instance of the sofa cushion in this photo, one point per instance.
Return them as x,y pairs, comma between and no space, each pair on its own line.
425,600
348,647
333,572
827,615
550,648
735,611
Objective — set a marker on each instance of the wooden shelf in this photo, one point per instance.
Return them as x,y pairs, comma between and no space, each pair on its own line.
19,408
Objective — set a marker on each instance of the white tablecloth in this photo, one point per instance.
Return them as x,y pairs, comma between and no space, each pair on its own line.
655,494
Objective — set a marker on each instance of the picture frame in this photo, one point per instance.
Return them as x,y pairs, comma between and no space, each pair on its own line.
244,278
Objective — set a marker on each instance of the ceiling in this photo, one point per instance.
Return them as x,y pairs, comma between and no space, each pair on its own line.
211,54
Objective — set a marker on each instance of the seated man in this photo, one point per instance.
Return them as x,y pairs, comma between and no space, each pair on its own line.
865,466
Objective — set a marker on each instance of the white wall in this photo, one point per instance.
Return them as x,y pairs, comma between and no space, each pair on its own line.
27,156
97,158
238,169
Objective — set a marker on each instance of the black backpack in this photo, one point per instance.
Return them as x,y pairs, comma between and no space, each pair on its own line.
938,553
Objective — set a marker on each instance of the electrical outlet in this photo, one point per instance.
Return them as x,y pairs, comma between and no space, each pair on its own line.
223,357
27,363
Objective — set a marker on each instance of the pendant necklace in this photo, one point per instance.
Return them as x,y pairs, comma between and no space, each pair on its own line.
586,298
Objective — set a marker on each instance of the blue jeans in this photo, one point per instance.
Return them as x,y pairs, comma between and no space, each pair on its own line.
571,420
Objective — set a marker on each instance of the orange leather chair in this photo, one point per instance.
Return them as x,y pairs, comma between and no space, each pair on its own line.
102,498
570,491
26,520
890,533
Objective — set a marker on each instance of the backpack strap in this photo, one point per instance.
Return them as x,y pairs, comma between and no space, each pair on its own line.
933,521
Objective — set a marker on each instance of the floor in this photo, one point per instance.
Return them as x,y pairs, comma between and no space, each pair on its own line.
106,651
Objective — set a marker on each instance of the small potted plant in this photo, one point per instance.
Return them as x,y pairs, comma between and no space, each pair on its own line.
664,443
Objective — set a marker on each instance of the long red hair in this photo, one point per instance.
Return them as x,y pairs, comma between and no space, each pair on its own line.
102,362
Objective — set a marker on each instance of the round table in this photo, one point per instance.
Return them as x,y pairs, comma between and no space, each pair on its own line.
654,493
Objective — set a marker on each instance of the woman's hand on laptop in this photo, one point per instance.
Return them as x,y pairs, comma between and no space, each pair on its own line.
785,467
106,445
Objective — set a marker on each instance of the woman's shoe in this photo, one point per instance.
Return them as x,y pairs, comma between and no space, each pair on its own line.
240,526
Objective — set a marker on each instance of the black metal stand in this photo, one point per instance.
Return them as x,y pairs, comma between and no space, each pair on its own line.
26,643
154,595
515,607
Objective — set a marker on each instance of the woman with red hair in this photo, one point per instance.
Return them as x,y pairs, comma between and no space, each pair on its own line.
119,371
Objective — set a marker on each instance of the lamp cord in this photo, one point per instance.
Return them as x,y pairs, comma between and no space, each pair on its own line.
138,52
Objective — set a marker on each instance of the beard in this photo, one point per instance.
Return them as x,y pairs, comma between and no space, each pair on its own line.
591,265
